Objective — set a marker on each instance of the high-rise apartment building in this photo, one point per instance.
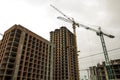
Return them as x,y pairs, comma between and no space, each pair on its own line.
25,56
65,58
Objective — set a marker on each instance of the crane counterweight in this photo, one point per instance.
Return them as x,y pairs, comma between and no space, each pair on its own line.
111,36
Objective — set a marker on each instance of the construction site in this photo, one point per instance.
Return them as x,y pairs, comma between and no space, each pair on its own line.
74,50
27,56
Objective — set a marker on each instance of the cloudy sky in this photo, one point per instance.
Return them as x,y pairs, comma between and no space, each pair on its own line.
38,16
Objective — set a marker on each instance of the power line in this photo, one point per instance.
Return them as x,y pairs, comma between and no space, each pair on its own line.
99,53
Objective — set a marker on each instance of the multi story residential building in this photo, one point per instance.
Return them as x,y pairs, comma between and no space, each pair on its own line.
25,56
99,72
65,58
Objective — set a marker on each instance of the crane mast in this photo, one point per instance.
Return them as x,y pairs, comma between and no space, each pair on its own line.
98,32
107,62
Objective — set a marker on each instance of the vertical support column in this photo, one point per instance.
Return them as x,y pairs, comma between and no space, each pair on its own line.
51,60
75,47
88,72
19,53
96,77
51,49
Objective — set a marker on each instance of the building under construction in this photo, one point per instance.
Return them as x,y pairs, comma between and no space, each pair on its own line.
25,56
99,72
65,57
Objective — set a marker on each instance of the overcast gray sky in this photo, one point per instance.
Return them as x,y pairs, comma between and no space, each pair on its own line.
38,16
